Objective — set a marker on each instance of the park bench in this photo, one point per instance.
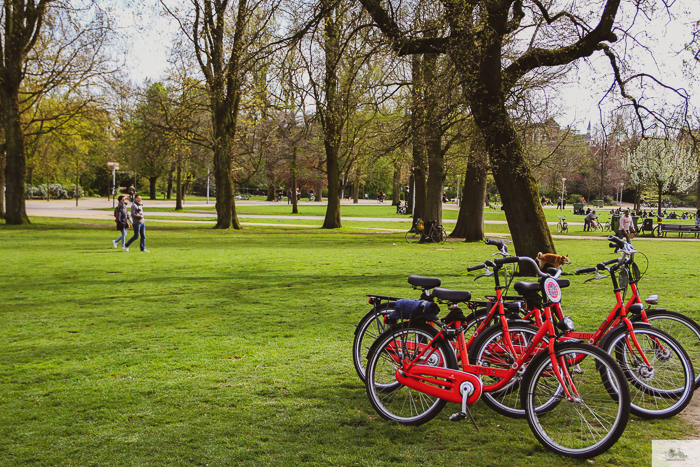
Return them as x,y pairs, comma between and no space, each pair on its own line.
680,229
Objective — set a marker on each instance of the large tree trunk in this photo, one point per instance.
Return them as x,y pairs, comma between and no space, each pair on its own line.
224,129
418,139
433,143
331,121
470,221
16,213
152,187
515,182
2,181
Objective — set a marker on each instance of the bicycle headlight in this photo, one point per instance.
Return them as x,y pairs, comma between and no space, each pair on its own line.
566,324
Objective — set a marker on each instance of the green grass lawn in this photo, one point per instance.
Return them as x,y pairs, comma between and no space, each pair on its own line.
224,347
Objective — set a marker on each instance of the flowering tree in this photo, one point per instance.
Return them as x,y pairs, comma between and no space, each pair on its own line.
661,162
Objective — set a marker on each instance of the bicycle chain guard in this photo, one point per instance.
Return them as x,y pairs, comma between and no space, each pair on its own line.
443,383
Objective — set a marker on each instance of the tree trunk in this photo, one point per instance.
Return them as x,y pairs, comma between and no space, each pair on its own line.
409,193
418,137
170,182
2,181
318,192
331,121
295,200
396,184
224,128
152,187
16,212
660,189
178,186
356,187
433,143
470,221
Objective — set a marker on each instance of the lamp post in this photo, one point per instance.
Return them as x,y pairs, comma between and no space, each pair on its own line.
115,167
563,181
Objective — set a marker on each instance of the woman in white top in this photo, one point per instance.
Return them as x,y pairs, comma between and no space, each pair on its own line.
626,226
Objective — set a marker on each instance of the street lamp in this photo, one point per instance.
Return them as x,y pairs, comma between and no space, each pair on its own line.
115,167
563,181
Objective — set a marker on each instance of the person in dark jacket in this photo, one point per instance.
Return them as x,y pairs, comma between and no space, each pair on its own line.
121,217
139,225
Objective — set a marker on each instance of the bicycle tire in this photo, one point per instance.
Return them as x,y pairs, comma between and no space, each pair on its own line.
362,342
413,237
682,328
607,227
591,423
669,388
559,227
565,228
367,330
438,234
392,400
488,351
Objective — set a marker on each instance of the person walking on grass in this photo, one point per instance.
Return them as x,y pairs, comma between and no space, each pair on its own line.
139,224
626,226
121,217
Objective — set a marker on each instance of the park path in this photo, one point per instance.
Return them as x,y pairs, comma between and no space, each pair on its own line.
88,208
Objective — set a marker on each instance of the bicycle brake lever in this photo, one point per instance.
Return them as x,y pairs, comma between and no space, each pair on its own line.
486,274
598,276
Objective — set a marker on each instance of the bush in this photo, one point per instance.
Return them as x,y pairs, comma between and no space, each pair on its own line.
573,198
35,191
71,192
608,200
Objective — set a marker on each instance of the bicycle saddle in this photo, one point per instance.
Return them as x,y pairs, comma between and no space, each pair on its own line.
424,282
452,295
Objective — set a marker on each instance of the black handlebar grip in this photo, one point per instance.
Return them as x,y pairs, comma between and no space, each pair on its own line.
612,261
490,264
613,245
618,242
509,259
497,243
474,268
614,267
585,270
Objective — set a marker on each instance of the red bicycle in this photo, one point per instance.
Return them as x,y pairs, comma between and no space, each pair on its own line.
574,395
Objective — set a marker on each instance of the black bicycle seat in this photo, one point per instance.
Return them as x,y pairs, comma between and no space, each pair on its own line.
424,282
452,295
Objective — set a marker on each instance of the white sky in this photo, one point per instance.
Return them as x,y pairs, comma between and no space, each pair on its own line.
150,36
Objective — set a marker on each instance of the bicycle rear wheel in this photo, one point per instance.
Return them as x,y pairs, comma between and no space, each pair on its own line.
391,399
368,329
587,424
559,227
667,387
438,234
413,237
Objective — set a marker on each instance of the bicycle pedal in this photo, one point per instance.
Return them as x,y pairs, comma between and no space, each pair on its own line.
458,417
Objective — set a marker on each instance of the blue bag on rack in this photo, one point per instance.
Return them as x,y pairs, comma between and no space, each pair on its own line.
415,309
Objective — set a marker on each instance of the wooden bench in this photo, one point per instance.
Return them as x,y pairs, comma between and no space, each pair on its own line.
680,229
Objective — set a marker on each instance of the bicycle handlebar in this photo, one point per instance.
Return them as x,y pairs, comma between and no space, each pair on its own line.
586,270
498,244
597,267
474,268
509,259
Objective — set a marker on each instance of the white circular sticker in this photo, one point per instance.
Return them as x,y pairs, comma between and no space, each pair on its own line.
552,290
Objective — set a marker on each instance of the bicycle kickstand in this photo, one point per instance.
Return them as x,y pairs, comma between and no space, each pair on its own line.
466,389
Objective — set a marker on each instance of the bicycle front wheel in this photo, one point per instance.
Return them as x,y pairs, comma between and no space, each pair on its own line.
368,329
490,350
413,237
559,227
593,415
565,228
391,399
682,328
662,389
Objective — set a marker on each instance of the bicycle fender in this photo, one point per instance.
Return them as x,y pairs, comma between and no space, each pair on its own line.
618,329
